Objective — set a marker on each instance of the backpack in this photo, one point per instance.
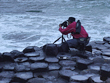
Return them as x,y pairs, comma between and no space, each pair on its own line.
78,28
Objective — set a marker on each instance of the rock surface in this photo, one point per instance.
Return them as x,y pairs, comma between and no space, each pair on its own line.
32,65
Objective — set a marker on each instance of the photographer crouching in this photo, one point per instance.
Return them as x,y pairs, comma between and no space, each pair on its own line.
77,31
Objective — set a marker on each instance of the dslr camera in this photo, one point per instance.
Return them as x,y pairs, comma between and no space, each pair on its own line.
64,24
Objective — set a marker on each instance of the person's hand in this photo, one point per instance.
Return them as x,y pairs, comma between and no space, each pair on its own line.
60,25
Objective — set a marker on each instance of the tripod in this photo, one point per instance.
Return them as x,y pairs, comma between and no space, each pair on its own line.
63,39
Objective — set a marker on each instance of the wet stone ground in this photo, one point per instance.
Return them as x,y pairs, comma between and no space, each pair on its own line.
32,65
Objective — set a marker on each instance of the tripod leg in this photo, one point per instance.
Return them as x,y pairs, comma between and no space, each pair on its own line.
56,40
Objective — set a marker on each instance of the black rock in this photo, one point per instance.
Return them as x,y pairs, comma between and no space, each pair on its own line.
106,53
100,42
64,56
37,80
32,54
54,66
108,80
21,59
98,59
97,52
85,54
39,66
95,79
35,59
68,68
83,63
95,68
29,49
5,80
23,67
107,45
37,49
79,78
8,57
22,77
66,74
17,53
67,63
106,39
9,67
6,74
105,71
106,59
1,57
51,60
101,47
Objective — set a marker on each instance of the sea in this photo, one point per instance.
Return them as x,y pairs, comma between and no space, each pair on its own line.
36,22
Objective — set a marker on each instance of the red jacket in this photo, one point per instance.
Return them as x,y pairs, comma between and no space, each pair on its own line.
72,28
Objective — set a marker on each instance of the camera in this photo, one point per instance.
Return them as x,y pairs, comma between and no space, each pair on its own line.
64,24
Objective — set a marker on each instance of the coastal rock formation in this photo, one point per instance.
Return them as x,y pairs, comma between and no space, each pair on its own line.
57,65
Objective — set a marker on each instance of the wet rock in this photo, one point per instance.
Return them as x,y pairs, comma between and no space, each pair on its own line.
106,39
29,49
107,53
98,59
6,74
100,42
87,72
22,67
21,59
50,49
97,53
83,63
35,59
54,66
68,68
51,60
32,54
66,74
39,66
9,67
37,80
1,57
42,74
85,54
17,53
5,80
59,80
95,68
1,69
108,80
95,79
106,59
8,57
101,47
107,45
79,78
63,56
75,58
54,73
93,44
67,63
22,77
105,71
37,49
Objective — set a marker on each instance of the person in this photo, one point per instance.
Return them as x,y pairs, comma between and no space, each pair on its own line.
71,28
